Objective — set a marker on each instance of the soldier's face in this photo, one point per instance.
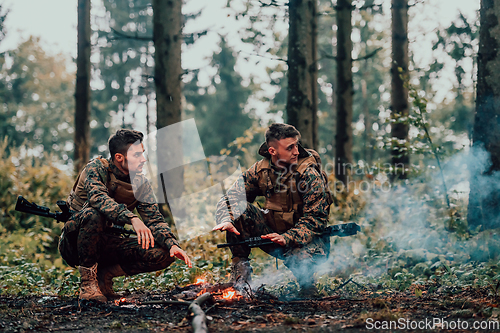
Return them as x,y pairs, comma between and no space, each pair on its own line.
284,151
134,161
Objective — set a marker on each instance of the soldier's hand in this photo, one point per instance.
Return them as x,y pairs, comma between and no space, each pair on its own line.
144,235
179,253
276,238
226,226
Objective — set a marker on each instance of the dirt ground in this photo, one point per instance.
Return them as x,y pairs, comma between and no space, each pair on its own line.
362,311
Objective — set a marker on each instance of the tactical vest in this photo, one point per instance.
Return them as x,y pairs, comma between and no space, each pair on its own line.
119,190
283,199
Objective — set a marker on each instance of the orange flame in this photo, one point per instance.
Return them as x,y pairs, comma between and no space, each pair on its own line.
119,301
228,293
200,280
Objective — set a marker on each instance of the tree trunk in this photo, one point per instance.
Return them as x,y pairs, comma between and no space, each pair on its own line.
484,198
367,137
302,95
399,94
82,91
167,37
343,138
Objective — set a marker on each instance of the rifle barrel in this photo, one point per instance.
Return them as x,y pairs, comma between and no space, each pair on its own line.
24,206
340,230
249,243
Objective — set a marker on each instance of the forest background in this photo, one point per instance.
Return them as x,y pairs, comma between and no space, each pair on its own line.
414,230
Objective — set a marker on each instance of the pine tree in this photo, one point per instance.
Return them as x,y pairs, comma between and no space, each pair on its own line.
219,110
484,196
302,95
82,92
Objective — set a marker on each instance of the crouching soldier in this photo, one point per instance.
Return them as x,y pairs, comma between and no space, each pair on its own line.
103,196
295,214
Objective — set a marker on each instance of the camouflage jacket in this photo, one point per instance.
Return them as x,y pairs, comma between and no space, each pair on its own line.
99,199
315,202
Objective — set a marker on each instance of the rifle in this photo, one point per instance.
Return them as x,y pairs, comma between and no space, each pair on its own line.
23,205
340,230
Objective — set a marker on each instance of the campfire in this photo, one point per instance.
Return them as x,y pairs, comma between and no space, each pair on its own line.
121,301
219,292
193,297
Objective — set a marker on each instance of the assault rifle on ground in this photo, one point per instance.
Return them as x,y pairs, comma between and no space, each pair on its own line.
340,230
23,205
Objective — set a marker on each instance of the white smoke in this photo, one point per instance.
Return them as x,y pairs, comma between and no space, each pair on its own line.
409,224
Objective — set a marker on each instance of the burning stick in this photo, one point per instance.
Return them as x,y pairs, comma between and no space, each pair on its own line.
199,319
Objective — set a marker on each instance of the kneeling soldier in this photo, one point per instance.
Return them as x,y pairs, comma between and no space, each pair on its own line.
102,197
295,213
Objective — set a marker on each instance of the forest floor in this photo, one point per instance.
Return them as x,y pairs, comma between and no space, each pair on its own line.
457,309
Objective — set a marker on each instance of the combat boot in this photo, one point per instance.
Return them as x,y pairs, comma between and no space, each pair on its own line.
309,292
241,273
105,277
89,288
304,273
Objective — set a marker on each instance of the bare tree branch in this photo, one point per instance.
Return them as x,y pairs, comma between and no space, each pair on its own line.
364,7
369,55
199,321
417,2
121,35
325,55
188,38
272,3
263,56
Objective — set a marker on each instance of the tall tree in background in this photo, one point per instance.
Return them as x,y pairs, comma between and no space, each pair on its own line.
125,47
167,37
344,91
37,95
484,197
368,79
302,95
399,90
457,44
82,90
6,129
221,103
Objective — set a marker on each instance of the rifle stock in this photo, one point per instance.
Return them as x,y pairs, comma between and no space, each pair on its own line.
340,230
24,206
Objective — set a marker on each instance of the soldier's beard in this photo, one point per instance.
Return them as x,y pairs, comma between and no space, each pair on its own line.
126,168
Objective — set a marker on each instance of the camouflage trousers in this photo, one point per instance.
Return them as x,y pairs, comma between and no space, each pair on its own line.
301,260
85,242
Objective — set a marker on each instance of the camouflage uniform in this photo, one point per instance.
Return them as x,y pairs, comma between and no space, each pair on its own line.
305,247
84,240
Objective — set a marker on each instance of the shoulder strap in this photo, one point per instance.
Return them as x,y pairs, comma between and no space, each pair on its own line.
262,165
74,200
315,160
104,174
305,163
262,168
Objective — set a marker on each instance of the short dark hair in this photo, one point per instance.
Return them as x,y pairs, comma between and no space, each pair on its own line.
280,131
121,141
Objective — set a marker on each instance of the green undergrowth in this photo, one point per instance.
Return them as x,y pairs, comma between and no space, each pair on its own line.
409,236
36,279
